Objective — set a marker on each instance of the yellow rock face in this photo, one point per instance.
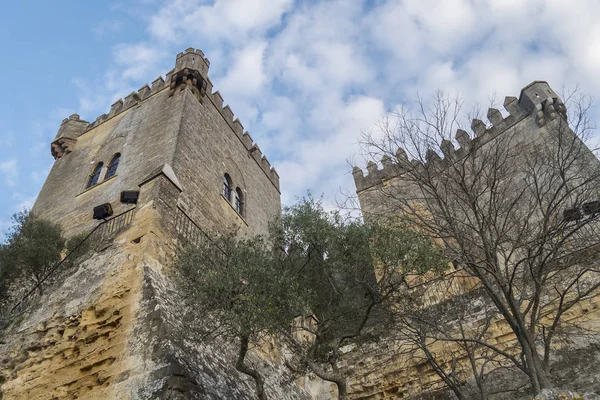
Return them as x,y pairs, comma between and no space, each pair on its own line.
102,333
381,371
76,356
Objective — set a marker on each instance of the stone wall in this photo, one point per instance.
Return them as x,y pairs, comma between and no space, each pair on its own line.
171,124
72,341
145,135
112,329
385,371
207,148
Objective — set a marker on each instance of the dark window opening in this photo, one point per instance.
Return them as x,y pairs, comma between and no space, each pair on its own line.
95,175
239,201
112,166
227,187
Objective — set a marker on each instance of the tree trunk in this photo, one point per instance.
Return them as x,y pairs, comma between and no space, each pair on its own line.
342,390
337,378
537,374
512,314
440,372
542,375
243,368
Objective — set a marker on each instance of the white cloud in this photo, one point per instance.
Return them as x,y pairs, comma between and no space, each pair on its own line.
246,76
9,172
135,61
26,203
90,100
321,160
306,77
221,20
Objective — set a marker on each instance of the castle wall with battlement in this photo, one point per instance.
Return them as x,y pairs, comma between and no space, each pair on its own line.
177,125
532,120
112,326
144,135
537,106
200,169
537,118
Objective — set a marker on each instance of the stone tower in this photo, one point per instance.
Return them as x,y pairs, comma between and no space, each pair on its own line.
169,163
537,113
176,129
397,184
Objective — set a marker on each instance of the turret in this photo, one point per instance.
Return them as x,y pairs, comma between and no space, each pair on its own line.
539,99
535,93
191,70
192,59
67,135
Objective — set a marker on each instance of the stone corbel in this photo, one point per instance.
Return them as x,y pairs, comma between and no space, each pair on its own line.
62,146
191,79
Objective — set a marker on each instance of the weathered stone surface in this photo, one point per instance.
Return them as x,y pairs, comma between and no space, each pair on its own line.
200,168
379,370
145,137
113,328
73,340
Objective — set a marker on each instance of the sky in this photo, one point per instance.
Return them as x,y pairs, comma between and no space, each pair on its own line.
304,77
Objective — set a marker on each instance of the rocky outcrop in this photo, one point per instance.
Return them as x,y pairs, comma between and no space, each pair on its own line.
112,329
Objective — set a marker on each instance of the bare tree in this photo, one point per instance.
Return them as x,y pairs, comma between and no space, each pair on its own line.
430,321
515,207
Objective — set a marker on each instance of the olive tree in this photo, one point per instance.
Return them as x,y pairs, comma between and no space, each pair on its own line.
237,284
32,247
314,265
354,269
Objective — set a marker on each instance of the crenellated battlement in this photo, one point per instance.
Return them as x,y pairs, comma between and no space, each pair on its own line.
166,164
190,72
131,100
537,101
253,149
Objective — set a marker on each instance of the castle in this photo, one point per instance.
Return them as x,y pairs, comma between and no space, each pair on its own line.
524,188
175,131
166,165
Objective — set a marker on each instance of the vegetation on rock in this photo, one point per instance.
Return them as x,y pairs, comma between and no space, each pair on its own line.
32,248
514,210
314,285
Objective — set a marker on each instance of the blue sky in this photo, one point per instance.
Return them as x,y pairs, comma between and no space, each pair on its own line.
305,78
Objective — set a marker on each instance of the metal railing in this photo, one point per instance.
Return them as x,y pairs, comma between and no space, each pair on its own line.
189,232
102,232
107,228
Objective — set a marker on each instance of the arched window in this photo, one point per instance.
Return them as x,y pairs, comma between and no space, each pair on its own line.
112,166
239,201
95,175
227,187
